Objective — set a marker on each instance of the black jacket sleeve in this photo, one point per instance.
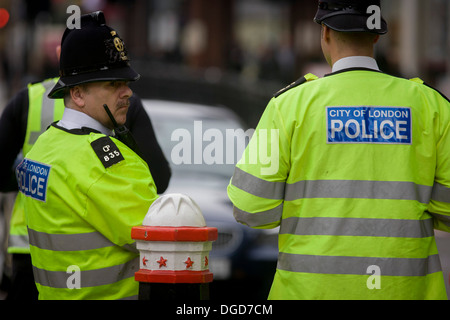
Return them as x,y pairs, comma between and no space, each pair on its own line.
13,124
140,126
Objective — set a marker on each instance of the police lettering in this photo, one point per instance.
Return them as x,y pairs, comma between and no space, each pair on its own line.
386,129
31,184
32,179
388,125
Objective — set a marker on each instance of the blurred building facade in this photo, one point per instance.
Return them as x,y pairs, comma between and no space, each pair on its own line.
257,40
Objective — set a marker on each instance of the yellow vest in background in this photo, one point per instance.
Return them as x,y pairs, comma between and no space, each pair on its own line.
42,111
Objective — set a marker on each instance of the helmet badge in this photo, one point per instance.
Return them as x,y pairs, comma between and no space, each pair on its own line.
119,45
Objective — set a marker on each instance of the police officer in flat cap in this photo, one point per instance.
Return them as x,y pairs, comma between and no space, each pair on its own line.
350,16
83,184
358,178
348,22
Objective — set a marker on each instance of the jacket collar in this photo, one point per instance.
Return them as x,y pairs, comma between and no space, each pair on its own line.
359,62
78,131
73,119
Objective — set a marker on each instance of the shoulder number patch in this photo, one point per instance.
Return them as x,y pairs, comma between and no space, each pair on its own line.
107,151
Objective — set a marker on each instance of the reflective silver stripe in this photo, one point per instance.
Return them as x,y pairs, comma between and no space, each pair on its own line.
131,247
358,227
47,112
257,186
359,189
260,218
88,278
440,193
389,190
406,267
68,242
18,241
130,298
444,219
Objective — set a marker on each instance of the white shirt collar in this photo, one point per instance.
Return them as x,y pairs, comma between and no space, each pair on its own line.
355,62
73,119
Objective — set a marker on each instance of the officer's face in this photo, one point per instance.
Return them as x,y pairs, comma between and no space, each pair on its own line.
115,94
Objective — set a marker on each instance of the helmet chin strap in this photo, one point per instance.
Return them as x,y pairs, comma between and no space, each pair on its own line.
122,133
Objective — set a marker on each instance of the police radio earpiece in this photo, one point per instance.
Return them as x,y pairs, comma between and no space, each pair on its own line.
122,133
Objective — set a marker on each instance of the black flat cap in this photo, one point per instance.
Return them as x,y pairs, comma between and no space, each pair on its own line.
349,15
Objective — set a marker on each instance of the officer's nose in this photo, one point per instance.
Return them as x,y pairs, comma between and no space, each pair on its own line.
125,91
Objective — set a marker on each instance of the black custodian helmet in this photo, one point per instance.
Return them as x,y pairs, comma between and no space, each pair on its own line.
94,52
348,15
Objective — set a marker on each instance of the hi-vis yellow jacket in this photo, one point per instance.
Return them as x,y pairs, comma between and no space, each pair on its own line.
41,113
83,192
355,170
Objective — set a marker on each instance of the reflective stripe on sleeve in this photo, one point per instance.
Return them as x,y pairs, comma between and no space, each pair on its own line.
256,186
260,218
444,219
441,193
358,227
406,267
88,278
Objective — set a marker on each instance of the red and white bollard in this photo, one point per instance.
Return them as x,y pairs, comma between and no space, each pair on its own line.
174,244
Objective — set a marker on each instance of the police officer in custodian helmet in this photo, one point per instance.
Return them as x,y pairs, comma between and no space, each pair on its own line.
26,116
84,185
359,173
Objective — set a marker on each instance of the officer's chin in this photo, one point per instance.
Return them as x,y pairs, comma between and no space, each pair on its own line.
121,119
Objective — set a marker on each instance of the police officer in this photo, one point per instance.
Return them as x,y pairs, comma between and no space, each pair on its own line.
358,177
28,115
21,123
83,189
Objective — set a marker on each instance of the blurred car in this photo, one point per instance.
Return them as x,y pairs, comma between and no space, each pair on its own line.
202,145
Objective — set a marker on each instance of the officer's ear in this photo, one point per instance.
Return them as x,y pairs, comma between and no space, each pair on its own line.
77,95
58,52
325,33
375,40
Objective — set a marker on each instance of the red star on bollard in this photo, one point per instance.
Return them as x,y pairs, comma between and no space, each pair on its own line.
206,261
144,261
189,263
162,262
